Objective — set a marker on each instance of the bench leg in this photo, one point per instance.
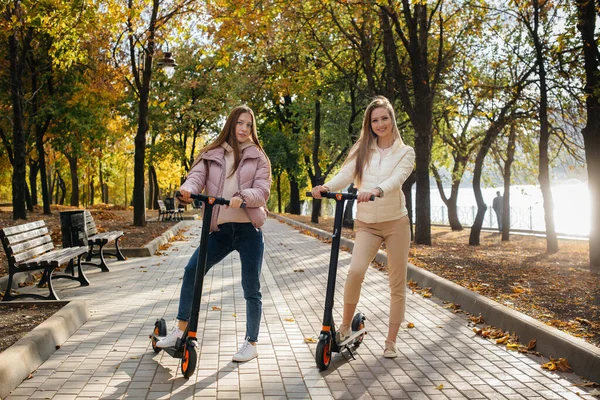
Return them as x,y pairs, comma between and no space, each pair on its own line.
80,274
52,296
119,255
90,253
46,279
7,296
102,265
117,252
81,278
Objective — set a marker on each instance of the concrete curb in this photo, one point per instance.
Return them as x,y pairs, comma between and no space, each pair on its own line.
583,357
146,251
26,355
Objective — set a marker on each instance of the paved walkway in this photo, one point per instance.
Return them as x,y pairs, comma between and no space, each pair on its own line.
110,356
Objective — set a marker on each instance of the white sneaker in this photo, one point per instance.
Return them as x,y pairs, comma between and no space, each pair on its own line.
246,353
342,333
170,339
390,351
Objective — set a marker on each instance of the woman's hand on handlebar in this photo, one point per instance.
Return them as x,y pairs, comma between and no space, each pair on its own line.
316,191
236,202
184,196
365,195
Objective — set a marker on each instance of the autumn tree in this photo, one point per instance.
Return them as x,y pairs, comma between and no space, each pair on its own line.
587,14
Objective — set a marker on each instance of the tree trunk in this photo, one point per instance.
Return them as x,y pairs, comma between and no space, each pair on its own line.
33,171
417,93
63,190
74,180
101,179
544,172
279,193
153,187
316,178
489,138
143,86
407,189
28,201
591,133
510,157
16,68
294,196
55,186
450,202
92,190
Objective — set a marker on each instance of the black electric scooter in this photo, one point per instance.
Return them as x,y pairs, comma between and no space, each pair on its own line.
186,347
327,339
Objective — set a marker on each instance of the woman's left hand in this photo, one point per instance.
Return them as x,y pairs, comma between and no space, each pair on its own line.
236,202
364,195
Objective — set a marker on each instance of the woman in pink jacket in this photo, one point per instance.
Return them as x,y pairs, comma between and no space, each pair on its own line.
235,167
378,164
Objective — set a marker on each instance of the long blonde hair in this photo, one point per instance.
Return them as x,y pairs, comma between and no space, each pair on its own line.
228,135
362,148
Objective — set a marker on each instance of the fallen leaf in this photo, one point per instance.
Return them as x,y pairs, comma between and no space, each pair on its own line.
532,344
512,346
440,387
503,340
290,320
410,325
216,308
310,340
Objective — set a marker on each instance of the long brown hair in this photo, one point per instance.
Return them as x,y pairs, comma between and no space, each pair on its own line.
228,135
362,148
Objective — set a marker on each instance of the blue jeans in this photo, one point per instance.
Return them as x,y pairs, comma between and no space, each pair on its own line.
248,241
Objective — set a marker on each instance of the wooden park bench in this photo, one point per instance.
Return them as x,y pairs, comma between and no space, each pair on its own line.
163,212
174,208
99,240
29,247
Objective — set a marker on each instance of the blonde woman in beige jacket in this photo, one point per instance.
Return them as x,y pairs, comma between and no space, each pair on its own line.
378,164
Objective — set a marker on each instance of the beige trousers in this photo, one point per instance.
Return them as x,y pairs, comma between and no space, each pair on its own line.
396,235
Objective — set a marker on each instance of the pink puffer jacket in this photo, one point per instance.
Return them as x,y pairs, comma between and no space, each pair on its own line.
254,177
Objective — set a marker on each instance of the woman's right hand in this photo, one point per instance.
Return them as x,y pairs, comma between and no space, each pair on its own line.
316,191
184,196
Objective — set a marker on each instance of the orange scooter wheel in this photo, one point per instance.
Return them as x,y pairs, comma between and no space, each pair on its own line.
188,360
160,329
324,354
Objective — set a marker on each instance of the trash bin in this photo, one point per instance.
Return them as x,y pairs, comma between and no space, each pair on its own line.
73,229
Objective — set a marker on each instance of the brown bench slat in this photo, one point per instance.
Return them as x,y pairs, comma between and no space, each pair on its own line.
56,257
64,257
21,247
22,228
13,239
29,254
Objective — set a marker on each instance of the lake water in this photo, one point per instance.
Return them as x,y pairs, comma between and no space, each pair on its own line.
571,207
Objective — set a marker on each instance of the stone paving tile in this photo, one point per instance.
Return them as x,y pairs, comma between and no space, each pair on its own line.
110,356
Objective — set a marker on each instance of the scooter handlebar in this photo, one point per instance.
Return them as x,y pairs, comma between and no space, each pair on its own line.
339,196
209,199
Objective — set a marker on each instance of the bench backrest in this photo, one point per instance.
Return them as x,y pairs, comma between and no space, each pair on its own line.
23,242
161,206
90,224
169,203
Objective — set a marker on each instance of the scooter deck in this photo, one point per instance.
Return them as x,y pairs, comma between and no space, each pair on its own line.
172,351
352,337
